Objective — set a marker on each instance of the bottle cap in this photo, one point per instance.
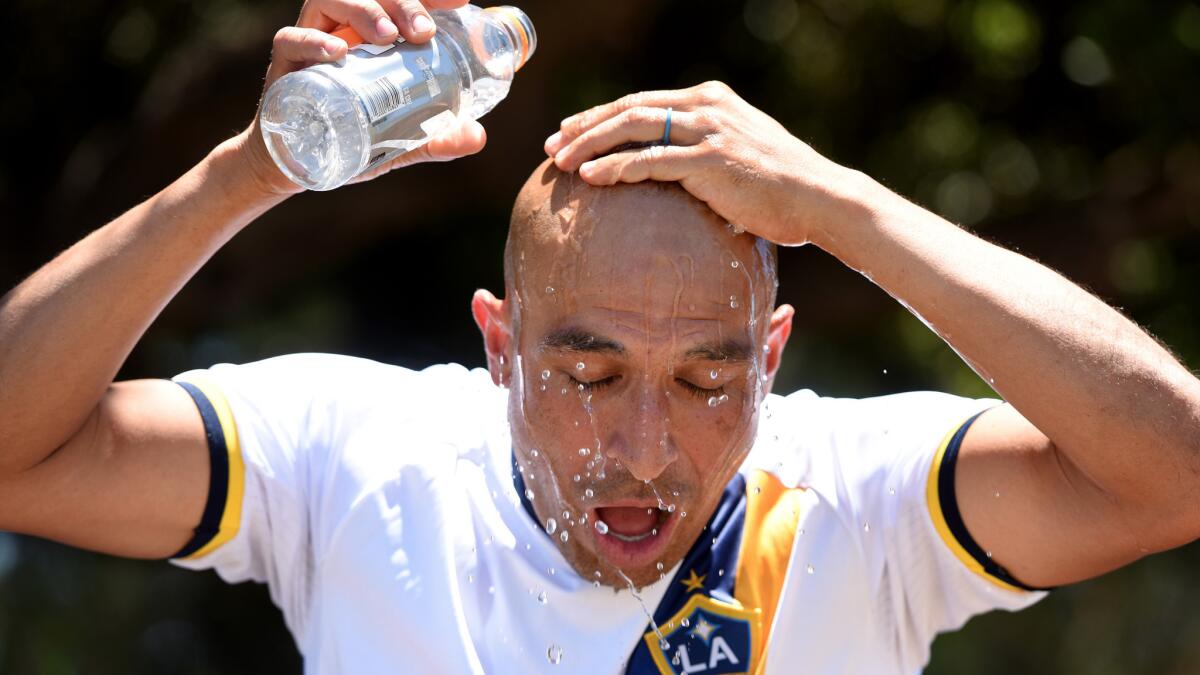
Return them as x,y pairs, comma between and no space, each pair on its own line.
518,22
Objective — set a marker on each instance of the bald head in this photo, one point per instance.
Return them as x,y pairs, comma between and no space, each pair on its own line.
565,233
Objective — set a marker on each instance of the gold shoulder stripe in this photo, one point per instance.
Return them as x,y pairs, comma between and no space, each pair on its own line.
769,531
231,514
939,518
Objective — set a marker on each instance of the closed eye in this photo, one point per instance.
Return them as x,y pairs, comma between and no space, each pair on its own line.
595,385
700,392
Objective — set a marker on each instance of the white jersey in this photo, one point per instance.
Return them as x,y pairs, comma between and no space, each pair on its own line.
378,504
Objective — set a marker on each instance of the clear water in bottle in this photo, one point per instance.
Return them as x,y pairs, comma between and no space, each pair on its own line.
328,123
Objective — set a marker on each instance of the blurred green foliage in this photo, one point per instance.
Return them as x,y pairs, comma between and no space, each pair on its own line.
1066,130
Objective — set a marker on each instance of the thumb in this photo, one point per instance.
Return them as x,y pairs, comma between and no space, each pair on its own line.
466,139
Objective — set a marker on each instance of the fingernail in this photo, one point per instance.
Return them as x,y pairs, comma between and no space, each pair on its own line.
422,24
333,45
586,167
384,27
553,140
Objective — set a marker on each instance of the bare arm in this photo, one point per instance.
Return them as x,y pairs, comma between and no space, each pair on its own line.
123,468
1097,458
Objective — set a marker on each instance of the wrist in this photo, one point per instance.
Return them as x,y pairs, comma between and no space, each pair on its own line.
245,171
861,204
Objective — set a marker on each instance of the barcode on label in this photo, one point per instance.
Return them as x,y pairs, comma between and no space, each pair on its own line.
382,96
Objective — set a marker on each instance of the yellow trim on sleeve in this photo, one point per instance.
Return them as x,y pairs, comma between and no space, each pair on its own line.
231,515
939,518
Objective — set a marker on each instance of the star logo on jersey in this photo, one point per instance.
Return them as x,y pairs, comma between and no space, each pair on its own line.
704,629
707,636
694,582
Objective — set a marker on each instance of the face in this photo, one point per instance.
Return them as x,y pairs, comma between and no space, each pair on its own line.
637,349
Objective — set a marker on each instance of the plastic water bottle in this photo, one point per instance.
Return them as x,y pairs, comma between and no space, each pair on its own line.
328,123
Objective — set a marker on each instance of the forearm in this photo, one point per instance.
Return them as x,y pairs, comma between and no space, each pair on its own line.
66,330
1121,408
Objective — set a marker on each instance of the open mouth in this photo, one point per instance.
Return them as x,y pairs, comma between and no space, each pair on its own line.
632,535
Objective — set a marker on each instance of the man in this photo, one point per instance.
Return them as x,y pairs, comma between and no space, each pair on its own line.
619,492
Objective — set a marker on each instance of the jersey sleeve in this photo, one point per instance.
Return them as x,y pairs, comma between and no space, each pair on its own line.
892,479
272,429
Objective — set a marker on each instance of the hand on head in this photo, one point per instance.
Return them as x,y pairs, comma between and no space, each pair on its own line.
746,166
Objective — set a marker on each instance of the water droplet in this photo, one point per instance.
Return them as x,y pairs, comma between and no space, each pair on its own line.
866,527
534,452
528,494
659,566
584,452
545,375
653,531
720,572
580,366
550,570
588,493
683,514
891,491
810,569
543,598
997,494
713,402
600,475
576,478
601,527
551,526
491,590
564,536
757,490
670,508
989,555
470,578
712,374
549,289
554,654
542,387
685,622
566,515
664,644
595,584
734,264
563,391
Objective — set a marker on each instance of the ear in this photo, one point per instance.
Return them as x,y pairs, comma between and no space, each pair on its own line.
777,337
492,317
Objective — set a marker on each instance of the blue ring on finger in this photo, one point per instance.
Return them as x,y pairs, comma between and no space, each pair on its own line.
666,139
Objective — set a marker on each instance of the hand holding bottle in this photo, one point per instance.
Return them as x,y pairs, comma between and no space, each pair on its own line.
311,42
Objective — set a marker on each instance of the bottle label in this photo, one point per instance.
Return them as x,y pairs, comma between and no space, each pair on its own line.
388,79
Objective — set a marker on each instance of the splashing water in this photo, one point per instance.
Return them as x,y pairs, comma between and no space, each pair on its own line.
554,654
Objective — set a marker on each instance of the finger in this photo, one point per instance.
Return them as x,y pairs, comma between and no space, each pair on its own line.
636,125
445,4
665,163
366,17
300,47
573,126
467,139
413,19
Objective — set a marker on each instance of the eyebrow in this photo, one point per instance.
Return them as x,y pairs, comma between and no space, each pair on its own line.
577,340
724,350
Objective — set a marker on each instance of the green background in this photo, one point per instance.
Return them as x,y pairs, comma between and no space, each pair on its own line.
1066,130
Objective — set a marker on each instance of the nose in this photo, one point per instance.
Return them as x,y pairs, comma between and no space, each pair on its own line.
643,446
